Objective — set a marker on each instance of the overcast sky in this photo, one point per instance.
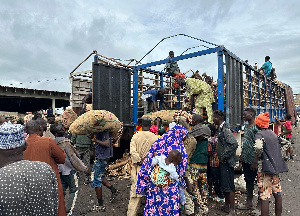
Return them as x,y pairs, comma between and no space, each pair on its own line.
45,40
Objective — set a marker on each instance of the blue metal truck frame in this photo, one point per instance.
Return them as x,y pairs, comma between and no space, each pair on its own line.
237,63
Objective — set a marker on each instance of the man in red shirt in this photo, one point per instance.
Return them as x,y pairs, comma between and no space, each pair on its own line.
46,150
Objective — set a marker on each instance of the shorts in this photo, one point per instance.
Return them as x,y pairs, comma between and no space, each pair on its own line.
268,184
98,169
227,177
196,170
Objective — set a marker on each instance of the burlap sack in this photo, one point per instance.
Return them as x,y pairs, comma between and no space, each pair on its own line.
165,115
169,116
180,113
14,119
88,107
96,121
57,119
68,117
27,118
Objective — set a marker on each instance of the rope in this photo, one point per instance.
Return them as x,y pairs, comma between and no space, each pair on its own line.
94,52
48,80
172,37
113,60
193,48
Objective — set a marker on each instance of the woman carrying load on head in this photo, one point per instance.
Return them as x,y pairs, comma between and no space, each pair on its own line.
163,199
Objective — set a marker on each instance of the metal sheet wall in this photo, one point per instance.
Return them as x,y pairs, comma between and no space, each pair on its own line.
234,90
111,90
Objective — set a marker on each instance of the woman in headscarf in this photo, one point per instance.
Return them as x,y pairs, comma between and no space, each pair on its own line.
163,200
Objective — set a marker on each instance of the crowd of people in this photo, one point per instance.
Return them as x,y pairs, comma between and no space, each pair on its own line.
176,169
205,165
39,162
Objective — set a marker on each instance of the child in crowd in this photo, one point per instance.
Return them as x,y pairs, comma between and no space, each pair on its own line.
213,169
287,134
164,171
68,169
160,127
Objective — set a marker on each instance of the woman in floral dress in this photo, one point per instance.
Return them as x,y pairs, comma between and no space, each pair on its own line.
163,200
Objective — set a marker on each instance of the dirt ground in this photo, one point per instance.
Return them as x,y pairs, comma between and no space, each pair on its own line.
289,181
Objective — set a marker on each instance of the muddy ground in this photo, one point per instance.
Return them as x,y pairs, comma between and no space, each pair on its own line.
289,181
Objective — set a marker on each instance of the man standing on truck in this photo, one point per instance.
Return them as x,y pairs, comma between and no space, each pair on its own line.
150,97
173,69
267,66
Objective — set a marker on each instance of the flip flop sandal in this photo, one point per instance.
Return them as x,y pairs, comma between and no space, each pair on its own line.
98,208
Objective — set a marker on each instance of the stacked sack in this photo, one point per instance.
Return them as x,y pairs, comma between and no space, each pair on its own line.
95,121
68,117
27,118
165,115
169,116
182,114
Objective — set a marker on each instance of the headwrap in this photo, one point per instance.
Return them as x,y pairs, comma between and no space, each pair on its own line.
200,130
11,135
262,120
171,125
183,121
154,129
170,140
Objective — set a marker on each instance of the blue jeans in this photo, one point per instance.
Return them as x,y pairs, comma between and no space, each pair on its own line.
98,169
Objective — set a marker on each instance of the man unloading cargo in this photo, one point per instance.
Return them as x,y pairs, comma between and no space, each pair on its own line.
150,97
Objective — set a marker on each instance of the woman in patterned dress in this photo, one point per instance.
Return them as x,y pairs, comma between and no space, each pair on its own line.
163,200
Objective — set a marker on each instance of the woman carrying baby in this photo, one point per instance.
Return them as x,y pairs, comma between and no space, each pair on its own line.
161,175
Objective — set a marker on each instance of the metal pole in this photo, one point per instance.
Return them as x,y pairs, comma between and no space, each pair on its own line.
258,84
53,105
265,92
135,96
161,76
270,101
220,80
250,87
178,99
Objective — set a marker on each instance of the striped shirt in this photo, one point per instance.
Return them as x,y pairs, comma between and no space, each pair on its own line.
248,152
212,145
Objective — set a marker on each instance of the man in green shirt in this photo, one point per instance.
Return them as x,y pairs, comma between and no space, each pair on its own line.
248,155
83,144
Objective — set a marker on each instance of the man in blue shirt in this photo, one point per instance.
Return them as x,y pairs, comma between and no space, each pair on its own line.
267,66
150,97
49,111
103,151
